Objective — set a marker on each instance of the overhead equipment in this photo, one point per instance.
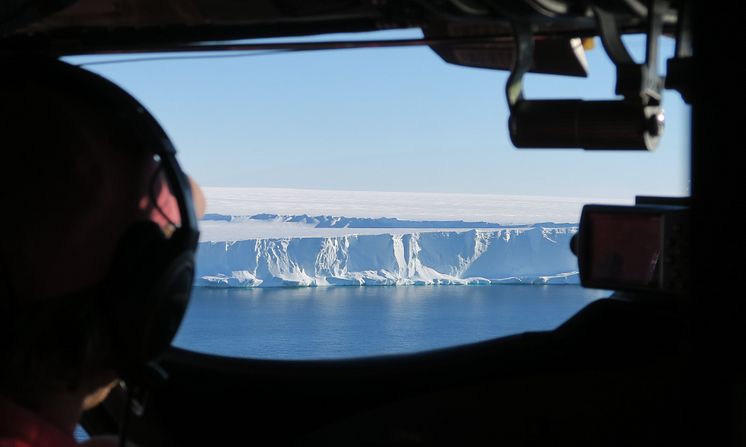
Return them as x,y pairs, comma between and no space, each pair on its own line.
634,122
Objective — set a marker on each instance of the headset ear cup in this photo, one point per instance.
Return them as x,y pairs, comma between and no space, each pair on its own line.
146,295
170,300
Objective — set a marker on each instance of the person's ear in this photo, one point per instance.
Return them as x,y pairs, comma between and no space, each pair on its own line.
198,197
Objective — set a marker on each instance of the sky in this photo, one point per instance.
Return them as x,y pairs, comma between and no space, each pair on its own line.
394,119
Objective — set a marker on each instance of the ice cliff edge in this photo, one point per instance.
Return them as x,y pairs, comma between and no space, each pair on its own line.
533,255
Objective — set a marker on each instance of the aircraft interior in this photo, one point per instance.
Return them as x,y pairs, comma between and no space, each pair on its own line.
657,363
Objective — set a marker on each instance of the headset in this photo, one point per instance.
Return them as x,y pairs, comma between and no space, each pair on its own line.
147,289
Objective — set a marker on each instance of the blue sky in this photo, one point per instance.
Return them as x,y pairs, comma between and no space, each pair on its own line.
386,120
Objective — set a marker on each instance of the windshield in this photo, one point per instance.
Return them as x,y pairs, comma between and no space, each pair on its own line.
367,202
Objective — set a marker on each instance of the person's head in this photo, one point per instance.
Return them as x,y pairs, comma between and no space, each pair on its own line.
75,178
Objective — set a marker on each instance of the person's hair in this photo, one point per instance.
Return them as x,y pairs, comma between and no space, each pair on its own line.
72,181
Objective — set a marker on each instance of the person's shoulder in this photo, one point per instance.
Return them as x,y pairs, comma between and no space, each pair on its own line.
20,427
9,442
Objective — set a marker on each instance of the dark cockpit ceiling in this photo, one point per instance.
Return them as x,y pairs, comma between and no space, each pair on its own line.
66,27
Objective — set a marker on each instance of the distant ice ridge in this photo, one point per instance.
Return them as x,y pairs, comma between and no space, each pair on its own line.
362,222
525,255
350,222
226,227
506,209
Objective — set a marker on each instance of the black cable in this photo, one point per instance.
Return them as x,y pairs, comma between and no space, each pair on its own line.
261,49
170,58
125,418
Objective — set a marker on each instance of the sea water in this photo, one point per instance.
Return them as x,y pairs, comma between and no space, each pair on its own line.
344,322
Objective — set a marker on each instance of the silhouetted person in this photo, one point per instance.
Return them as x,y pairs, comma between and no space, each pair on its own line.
73,179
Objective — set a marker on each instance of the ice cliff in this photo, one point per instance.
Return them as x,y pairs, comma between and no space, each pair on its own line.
533,254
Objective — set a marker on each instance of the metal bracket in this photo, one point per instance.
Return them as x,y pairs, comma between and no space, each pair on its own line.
524,57
634,81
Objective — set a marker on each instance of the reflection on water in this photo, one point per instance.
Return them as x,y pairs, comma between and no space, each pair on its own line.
336,322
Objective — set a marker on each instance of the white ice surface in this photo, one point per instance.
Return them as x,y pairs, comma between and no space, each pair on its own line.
245,252
252,229
502,209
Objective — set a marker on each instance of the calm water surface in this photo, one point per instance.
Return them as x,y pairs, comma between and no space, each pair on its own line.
337,322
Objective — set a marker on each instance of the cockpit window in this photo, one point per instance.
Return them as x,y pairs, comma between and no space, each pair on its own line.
369,202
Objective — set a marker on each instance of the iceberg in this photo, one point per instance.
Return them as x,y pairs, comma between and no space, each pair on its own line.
538,254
